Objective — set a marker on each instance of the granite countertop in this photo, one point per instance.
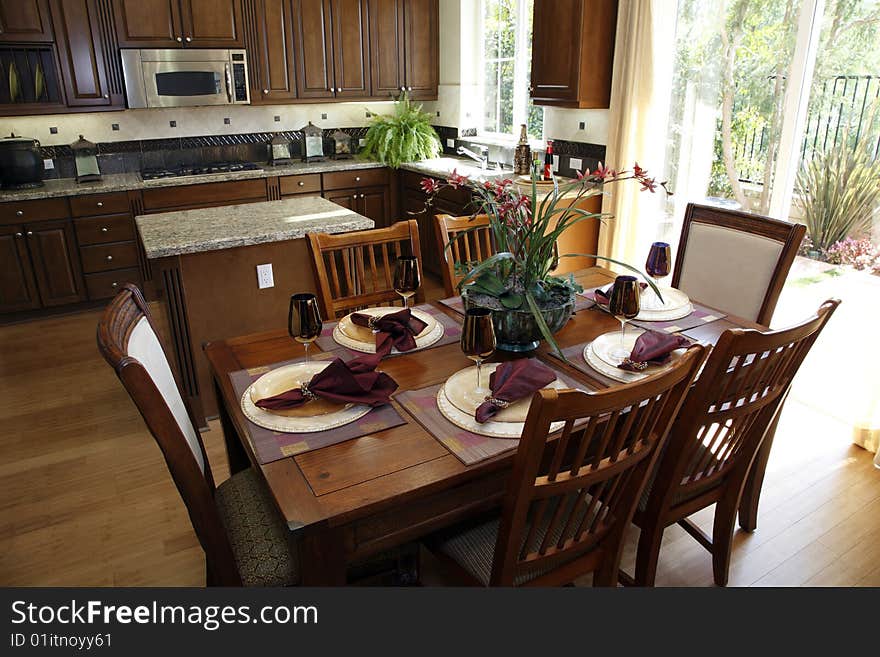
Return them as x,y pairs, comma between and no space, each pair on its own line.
211,229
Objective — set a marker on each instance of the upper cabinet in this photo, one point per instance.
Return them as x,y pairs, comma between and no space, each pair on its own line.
351,48
178,23
573,52
268,31
405,48
25,20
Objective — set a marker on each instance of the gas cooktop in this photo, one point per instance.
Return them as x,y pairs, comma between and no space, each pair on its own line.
198,170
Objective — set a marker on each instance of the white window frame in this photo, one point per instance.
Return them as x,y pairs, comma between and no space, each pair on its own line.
520,74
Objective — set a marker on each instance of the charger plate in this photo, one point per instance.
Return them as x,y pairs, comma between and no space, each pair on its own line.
362,339
492,428
598,356
318,415
459,384
676,304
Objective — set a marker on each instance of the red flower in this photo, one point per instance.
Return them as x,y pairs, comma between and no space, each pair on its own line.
638,171
585,174
602,172
456,180
429,185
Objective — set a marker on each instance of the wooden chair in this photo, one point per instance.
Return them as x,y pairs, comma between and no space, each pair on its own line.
245,540
475,243
716,437
568,502
735,261
356,270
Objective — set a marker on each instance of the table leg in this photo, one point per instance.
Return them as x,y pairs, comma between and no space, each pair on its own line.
322,558
235,454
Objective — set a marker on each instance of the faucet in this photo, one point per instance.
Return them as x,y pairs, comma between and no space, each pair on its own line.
482,158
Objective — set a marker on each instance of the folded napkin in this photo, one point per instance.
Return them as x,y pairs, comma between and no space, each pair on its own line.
603,294
394,330
339,382
511,381
653,348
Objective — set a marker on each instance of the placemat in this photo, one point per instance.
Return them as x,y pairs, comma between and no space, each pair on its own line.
575,356
274,445
456,303
701,315
468,447
451,333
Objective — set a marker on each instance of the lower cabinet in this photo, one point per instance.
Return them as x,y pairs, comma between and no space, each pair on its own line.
371,202
18,287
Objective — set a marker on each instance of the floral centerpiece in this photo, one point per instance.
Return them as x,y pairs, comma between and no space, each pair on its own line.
528,301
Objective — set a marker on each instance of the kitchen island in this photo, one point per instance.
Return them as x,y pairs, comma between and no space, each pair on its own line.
204,263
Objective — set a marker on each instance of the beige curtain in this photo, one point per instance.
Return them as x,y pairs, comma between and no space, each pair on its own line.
638,118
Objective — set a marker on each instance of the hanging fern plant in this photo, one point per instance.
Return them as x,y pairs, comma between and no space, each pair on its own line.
405,136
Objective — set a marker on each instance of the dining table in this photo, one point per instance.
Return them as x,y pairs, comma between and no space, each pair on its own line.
348,501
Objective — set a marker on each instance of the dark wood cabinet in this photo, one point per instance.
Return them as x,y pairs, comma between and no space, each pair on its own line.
371,202
87,52
347,198
269,41
351,48
177,23
313,53
25,20
573,52
52,248
404,48
18,289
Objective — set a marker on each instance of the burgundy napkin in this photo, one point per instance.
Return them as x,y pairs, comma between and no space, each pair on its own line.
654,348
398,329
511,381
339,382
603,294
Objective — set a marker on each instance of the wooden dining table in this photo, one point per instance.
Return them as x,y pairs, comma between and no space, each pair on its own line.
354,499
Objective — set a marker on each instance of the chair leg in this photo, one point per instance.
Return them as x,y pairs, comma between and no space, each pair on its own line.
748,506
722,539
648,555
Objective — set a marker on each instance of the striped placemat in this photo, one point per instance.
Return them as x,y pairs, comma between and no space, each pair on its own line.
700,315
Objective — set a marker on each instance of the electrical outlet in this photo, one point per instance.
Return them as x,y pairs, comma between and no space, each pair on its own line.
48,163
556,163
450,143
264,276
362,142
576,163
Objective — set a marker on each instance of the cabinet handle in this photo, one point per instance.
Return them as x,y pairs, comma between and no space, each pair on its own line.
265,92
19,213
189,39
403,88
109,258
114,284
30,233
106,95
19,235
301,183
104,229
357,178
179,39
100,204
362,196
409,88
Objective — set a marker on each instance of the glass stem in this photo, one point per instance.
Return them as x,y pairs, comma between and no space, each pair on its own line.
306,345
479,380
623,334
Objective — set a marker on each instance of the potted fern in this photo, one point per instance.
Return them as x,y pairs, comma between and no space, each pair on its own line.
404,136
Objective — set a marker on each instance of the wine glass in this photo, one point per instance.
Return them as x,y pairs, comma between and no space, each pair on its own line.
406,277
657,266
304,320
478,343
624,305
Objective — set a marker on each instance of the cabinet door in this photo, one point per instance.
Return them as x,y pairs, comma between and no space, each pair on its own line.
25,20
18,290
53,253
272,62
374,203
556,50
81,52
313,34
422,46
351,48
148,23
212,23
347,198
386,48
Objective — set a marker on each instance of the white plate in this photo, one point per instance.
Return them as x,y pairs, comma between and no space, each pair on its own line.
432,333
612,372
459,384
605,364
676,304
285,378
493,429
364,334
609,342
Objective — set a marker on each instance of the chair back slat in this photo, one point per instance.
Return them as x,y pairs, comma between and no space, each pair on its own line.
575,494
470,241
356,270
130,345
725,416
735,261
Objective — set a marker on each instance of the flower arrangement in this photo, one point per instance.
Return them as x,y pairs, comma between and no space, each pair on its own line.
859,254
525,229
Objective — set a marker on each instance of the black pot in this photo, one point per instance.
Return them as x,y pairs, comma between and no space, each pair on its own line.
21,163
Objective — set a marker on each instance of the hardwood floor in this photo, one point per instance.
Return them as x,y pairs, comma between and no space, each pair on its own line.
86,499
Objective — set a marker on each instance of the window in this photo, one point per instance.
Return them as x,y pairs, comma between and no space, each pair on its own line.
507,58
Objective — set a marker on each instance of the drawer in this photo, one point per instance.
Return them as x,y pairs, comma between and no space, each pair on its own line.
300,184
205,195
100,230
104,257
107,284
92,204
356,178
15,212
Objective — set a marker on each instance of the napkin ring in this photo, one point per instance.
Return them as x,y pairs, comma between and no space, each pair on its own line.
371,322
308,394
636,365
500,403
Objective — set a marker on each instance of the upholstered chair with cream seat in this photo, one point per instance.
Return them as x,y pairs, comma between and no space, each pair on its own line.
735,261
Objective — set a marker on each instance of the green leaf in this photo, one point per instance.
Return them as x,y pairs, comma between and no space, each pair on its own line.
545,330
511,300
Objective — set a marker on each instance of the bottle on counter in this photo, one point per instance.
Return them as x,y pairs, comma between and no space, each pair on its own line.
522,157
548,161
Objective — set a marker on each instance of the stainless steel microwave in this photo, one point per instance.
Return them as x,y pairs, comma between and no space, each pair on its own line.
185,77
